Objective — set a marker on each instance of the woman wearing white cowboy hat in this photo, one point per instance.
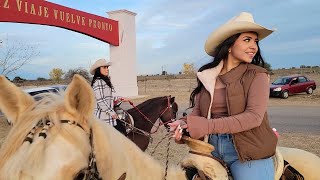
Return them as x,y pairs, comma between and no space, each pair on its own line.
230,101
103,90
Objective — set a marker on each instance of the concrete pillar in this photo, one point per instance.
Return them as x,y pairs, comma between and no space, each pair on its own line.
123,71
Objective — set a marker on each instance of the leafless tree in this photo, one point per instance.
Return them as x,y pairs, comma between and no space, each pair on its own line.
71,72
15,54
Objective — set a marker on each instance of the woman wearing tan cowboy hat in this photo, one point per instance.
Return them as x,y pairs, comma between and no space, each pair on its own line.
230,101
103,90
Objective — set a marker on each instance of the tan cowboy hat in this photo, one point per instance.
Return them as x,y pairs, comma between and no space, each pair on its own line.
244,22
99,63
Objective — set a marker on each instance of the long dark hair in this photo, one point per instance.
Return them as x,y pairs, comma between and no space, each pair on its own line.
221,52
98,75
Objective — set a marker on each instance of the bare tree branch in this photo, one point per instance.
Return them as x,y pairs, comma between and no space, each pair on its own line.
71,72
14,55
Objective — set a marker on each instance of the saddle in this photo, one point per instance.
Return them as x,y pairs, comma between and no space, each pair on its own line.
125,118
283,170
210,168
200,157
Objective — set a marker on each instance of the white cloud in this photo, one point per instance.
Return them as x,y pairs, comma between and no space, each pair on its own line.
91,45
42,61
301,46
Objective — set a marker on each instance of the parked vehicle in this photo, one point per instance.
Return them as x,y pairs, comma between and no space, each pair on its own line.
288,85
60,87
35,92
40,90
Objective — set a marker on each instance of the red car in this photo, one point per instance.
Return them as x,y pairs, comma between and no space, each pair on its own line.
287,85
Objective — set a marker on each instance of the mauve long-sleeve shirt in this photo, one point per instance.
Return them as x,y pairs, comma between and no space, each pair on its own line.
220,121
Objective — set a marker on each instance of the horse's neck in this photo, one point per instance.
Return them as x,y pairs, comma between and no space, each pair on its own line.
146,119
114,159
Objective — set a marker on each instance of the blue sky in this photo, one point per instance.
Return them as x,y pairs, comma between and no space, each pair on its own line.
173,32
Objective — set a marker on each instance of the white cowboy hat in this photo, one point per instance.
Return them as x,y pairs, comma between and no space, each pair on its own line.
99,63
239,24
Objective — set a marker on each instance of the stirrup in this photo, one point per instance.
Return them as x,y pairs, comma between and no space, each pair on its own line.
290,173
200,176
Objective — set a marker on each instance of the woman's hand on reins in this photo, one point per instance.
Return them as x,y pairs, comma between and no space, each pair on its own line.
114,116
124,99
177,128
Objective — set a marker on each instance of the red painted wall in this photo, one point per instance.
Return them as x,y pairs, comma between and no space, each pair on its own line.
47,13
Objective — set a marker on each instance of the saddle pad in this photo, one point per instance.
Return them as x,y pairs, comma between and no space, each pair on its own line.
210,167
278,164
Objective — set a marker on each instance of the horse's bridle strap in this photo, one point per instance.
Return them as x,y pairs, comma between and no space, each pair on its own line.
43,134
29,139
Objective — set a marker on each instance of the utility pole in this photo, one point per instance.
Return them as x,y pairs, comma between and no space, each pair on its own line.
163,70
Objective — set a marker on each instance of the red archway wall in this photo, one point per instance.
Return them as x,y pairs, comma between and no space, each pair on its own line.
47,13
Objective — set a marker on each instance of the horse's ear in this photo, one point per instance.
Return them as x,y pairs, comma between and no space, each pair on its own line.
79,97
172,100
13,101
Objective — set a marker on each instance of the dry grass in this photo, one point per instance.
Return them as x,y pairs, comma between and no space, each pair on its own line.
308,142
181,89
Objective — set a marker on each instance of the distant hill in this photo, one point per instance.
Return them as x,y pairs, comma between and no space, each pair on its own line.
283,71
274,73
311,73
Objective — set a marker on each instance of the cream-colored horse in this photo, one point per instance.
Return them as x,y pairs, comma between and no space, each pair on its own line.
65,148
62,151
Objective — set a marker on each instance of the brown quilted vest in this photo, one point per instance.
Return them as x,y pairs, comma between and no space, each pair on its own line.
257,143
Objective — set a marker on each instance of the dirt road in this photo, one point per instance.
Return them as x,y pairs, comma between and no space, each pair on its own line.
295,119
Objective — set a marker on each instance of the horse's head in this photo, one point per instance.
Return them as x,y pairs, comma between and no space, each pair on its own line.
49,138
170,111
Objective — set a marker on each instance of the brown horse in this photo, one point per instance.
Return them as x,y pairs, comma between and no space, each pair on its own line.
145,116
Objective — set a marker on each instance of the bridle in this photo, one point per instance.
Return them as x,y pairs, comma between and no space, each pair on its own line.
169,107
91,172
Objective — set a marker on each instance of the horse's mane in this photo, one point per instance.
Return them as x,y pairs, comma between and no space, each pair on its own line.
148,103
45,109
116,155
148,107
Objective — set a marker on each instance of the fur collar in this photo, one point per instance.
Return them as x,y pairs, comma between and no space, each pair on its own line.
208,77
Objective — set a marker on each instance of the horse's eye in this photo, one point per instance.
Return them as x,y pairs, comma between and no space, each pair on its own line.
79,176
